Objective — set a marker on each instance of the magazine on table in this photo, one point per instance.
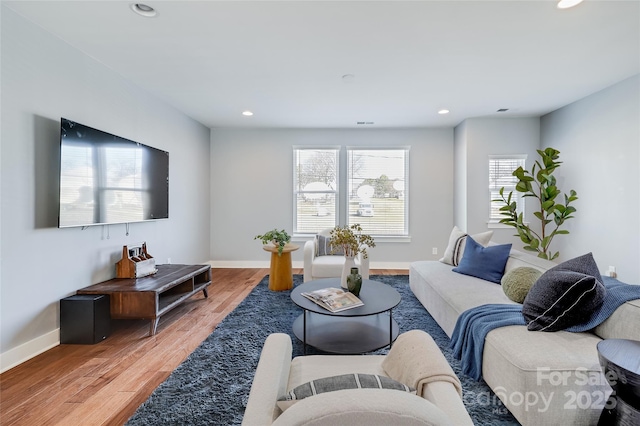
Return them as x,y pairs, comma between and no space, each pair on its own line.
334,299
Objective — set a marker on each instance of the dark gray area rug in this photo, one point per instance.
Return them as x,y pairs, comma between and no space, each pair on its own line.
211,386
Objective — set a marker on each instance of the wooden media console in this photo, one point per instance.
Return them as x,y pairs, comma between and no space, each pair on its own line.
152,296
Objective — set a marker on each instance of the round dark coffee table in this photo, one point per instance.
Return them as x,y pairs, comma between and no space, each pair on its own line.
620,361
353,331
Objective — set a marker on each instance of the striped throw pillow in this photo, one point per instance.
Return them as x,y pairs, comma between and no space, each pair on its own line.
341,382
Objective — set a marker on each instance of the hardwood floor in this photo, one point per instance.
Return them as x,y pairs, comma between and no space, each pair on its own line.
104,384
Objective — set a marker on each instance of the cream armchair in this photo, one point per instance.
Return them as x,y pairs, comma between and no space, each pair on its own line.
414,360
328,266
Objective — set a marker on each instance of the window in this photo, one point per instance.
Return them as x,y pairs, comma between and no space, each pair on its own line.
501,170
370,190
315,187
377,196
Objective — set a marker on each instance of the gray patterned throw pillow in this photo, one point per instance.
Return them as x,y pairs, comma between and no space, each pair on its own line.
341,382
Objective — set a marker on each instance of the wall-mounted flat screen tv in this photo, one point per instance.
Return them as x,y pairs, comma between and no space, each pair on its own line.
106,179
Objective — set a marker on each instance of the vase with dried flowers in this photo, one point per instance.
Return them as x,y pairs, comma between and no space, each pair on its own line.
351,241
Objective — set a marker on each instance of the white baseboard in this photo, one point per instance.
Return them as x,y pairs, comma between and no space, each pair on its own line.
296,264
26,351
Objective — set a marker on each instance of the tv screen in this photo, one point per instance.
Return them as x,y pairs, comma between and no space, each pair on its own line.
107,179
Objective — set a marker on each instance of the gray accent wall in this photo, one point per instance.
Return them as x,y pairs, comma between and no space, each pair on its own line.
252,190
44,79
598,138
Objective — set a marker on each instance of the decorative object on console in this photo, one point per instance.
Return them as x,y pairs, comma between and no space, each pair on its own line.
517,282
545,191
353,242
136,262
487,263
565,295
277,238
457,241
354,281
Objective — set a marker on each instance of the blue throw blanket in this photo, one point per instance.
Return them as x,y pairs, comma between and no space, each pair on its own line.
467,340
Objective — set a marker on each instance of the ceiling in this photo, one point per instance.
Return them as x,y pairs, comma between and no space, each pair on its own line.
285,60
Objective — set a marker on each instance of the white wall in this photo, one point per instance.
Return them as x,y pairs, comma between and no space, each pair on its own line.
460,176
252,190
482,137
598,139
42,80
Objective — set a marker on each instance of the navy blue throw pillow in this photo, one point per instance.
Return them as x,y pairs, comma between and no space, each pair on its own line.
487,263
564,296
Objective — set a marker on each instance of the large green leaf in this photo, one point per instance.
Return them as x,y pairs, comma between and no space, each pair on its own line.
548,205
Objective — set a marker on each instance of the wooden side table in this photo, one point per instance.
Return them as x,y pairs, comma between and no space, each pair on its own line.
280,276
620,361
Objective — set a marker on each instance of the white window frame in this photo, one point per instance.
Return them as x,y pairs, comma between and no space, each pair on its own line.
404,233
335,192
495,185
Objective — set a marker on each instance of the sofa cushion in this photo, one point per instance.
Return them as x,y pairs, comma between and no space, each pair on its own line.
565,295
340,382
323,247
457,241
548,370
484,262
517,282
623,323
446,295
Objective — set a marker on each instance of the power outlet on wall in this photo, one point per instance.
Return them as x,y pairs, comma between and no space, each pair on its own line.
434,250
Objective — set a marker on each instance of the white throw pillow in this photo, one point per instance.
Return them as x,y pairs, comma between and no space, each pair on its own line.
458,240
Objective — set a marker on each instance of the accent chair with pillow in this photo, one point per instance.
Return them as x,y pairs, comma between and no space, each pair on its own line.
412,385
320,262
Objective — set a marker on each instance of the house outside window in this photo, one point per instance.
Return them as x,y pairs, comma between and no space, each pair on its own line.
501,168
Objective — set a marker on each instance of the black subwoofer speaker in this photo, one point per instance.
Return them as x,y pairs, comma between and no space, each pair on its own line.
84,319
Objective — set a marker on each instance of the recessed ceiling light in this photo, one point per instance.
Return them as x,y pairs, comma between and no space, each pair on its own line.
144,10
566,4
247,113
443,111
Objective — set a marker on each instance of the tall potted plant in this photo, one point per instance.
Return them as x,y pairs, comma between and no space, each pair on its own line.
541,185
352,242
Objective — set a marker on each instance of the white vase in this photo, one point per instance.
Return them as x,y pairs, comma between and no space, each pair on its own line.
349,262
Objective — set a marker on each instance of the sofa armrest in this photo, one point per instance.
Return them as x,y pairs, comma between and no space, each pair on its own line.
270,381
416,360
363,407
309,253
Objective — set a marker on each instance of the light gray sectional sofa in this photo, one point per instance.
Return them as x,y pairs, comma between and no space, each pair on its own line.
542,378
